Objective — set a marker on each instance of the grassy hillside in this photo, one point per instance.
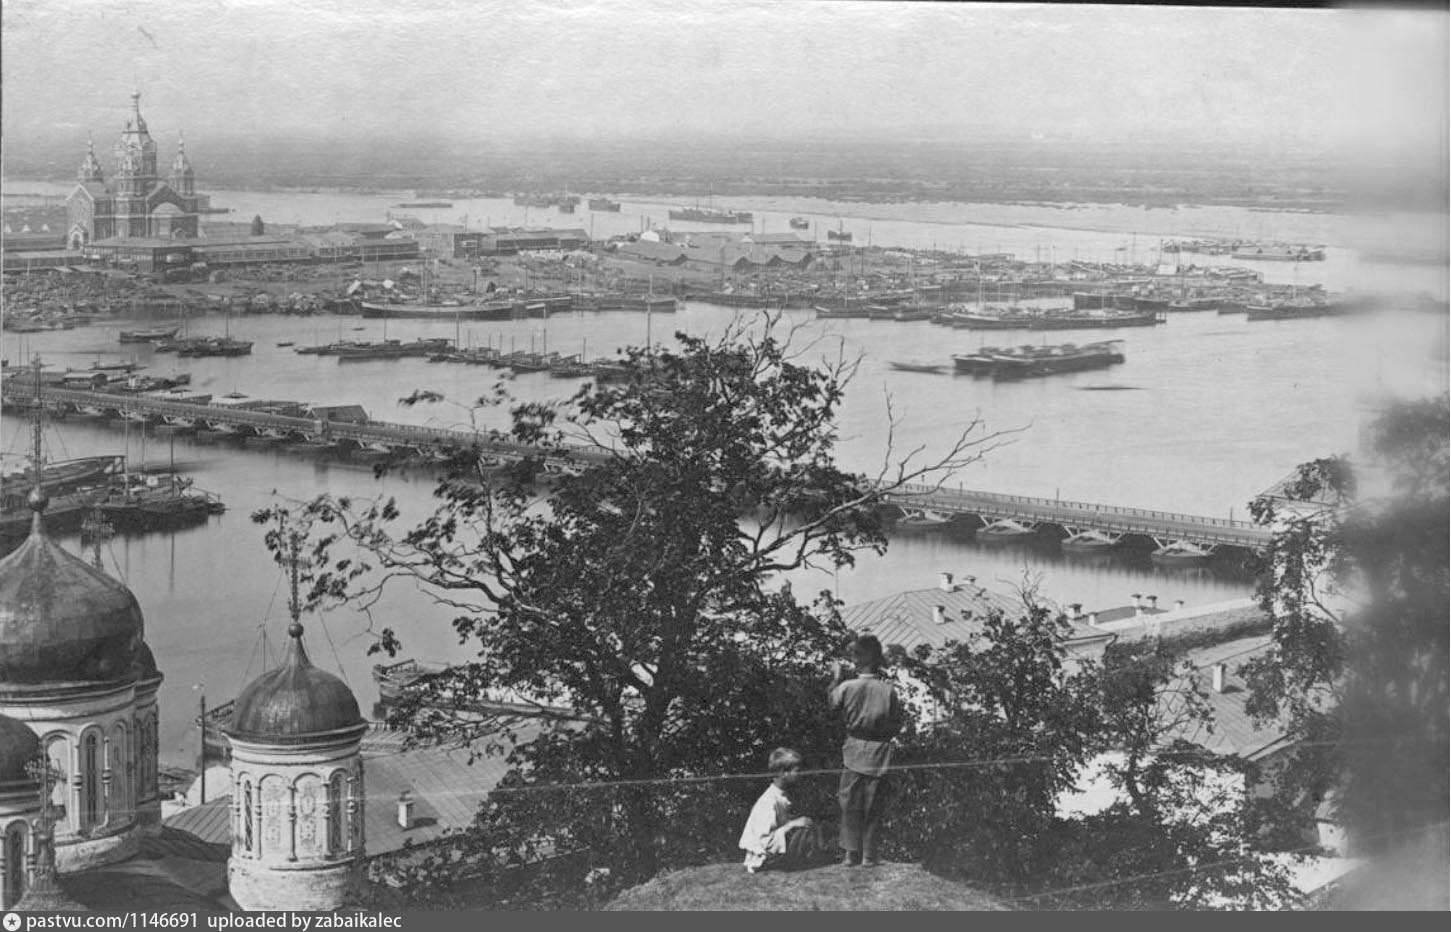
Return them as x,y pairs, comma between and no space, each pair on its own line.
729,887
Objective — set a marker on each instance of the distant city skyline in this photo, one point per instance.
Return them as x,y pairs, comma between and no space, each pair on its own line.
474,72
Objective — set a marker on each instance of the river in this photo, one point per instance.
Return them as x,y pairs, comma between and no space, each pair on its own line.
1209,410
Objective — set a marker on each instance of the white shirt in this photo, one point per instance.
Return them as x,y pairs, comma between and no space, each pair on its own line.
764,833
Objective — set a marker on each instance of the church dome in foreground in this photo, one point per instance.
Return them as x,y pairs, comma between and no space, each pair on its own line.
62,620
294,702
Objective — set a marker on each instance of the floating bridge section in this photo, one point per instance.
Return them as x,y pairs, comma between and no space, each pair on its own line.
378,435
1082,520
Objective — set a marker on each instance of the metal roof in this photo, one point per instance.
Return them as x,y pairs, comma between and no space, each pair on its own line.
909,618
447,792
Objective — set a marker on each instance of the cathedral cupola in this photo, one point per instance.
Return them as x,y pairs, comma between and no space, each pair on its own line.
90,168
61,620
297,784
72,661
183,179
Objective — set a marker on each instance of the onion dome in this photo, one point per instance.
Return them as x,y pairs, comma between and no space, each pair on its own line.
62,620
19,747
295,703
146,663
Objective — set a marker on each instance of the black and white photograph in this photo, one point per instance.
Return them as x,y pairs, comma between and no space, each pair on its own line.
669,455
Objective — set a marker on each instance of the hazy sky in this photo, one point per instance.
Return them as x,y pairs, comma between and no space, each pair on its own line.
482,69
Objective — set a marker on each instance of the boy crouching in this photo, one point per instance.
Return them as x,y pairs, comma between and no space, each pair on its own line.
772,838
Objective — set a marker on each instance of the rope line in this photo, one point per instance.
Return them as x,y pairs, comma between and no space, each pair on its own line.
969,763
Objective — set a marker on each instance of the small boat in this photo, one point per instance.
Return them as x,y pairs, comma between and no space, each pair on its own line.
841,236
841,313
800,223
604,204
932,367
284,342
148,336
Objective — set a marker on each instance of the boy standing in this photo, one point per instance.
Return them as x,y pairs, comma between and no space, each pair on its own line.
869,708
772,838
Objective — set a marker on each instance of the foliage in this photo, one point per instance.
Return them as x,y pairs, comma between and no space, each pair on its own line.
623,575
1017,724
1356,585
1008,705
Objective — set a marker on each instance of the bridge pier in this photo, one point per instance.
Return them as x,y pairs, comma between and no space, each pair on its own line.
1004,529
918,518
1182,552
1089,540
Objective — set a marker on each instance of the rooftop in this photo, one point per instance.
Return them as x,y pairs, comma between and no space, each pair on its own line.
447,791
911,618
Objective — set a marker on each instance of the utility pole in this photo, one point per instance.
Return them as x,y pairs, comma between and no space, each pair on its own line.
203,759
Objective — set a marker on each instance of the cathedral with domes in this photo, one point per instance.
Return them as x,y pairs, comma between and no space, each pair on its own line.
137,202
79,750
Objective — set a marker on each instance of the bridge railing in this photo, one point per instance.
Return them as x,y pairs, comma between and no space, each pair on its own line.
921,492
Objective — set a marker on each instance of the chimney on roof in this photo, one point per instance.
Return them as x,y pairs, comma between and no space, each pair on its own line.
971,580
1138,600
1093,618
1178,604
1138,609
939,614
944,582
1216,677
405,809
1154,602
1075,609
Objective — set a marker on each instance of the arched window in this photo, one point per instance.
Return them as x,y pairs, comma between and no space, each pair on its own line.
12,883
57,753
122,763
90,781
274,812
335,791
247,820
309,801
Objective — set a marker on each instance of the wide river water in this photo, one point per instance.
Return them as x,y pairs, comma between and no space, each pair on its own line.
1210,410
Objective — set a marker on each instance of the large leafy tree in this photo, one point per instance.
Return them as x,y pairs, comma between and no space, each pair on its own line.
1018,723
1011,723
626,578
1356,585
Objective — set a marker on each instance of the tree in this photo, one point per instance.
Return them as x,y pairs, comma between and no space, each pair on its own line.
1015,724
623,575
1356,586
258,228
1020,725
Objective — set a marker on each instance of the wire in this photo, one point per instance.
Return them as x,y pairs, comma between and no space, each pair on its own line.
766,774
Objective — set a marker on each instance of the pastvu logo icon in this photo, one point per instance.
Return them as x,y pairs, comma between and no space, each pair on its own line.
11,922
